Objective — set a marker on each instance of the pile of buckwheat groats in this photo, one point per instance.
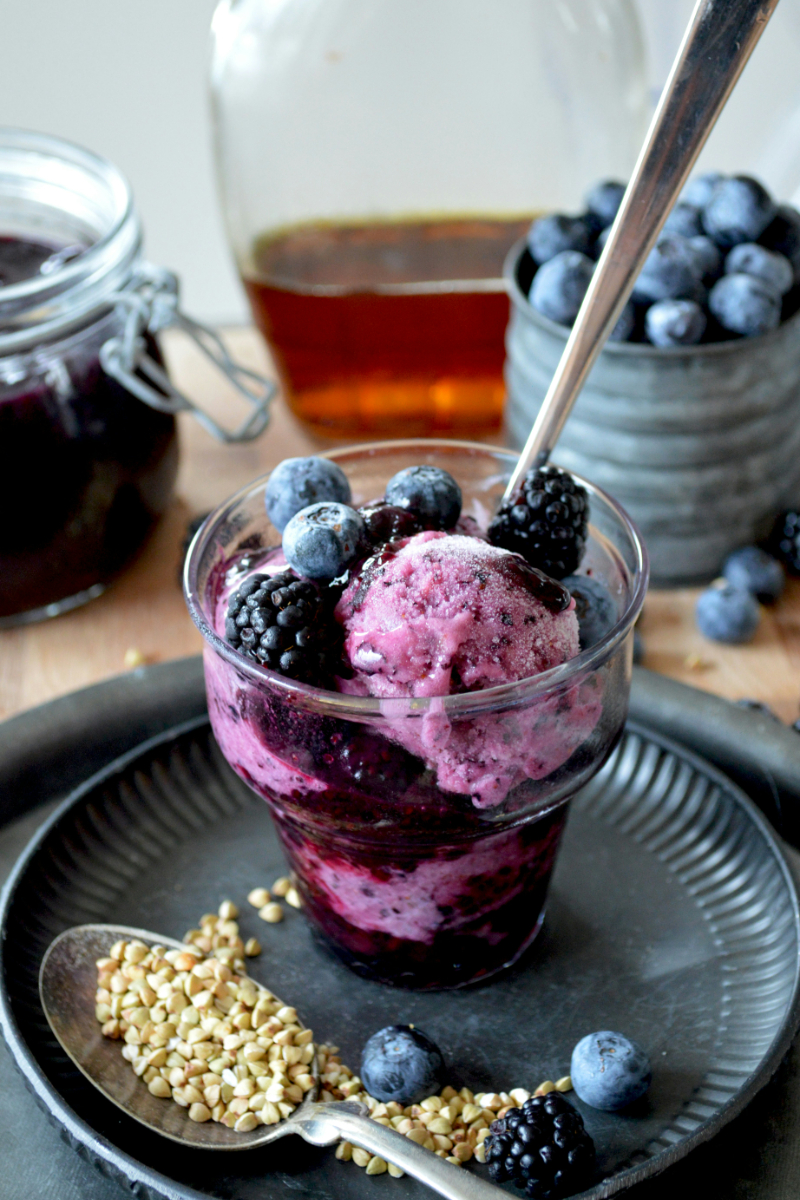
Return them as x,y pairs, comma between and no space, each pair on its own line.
198,1030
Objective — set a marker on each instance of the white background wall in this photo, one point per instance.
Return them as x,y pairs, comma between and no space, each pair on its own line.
759,130
128,79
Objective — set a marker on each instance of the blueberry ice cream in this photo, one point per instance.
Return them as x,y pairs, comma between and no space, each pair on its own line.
398,823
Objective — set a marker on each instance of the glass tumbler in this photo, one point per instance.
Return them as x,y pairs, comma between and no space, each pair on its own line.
407,868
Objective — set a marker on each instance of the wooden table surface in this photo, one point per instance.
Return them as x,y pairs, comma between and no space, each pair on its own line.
142,617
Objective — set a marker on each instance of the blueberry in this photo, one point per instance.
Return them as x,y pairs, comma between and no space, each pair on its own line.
753,570
675,323
297,482
626,323
548,236
594,608
592,223
609,1071
783,236
604,199
727,614
684,219
559,286
745,305
739,211
698,191
602,238
670,271
428,492
707,257
322,539
748,258
401,1063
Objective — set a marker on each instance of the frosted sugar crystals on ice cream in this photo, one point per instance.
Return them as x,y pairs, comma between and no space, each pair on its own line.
443,614
449,613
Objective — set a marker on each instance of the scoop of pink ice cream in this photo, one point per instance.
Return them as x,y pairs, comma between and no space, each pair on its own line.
442,613
448,613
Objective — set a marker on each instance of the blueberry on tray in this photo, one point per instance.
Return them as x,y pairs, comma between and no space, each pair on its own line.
401,1063
609,1071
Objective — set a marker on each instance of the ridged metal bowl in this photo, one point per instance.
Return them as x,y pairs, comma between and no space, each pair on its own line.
673,917
700,444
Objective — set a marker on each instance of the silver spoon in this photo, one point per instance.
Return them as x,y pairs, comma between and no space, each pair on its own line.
67,984
718,42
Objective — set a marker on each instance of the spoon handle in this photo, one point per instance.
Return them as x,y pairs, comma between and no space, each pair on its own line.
717,44
443,1177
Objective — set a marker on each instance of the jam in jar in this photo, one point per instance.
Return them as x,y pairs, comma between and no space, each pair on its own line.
85,471
88,448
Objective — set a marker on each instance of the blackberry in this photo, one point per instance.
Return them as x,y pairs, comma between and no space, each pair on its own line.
387,522
542,1147
784,541
285,624
545,523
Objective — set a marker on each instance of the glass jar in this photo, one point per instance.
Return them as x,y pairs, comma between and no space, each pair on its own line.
422,832
88,448
376,162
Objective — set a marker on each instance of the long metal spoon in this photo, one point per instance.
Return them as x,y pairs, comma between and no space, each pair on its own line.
67,984
718,42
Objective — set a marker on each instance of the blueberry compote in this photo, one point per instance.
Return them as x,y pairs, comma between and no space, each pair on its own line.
85,467
409,884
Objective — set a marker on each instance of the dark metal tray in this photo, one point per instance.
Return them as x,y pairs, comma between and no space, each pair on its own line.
673,917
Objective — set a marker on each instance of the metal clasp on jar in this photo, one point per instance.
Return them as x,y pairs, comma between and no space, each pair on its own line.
150,304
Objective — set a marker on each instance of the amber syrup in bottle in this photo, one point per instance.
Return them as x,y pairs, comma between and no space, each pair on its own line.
388,330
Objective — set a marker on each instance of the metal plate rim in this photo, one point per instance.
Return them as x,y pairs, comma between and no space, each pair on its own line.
133,1173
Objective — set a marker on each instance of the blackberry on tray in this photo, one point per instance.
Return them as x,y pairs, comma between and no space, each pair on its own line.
285,624
546,523
542,1147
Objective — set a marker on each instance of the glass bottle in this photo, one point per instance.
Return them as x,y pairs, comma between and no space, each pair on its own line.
376,162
